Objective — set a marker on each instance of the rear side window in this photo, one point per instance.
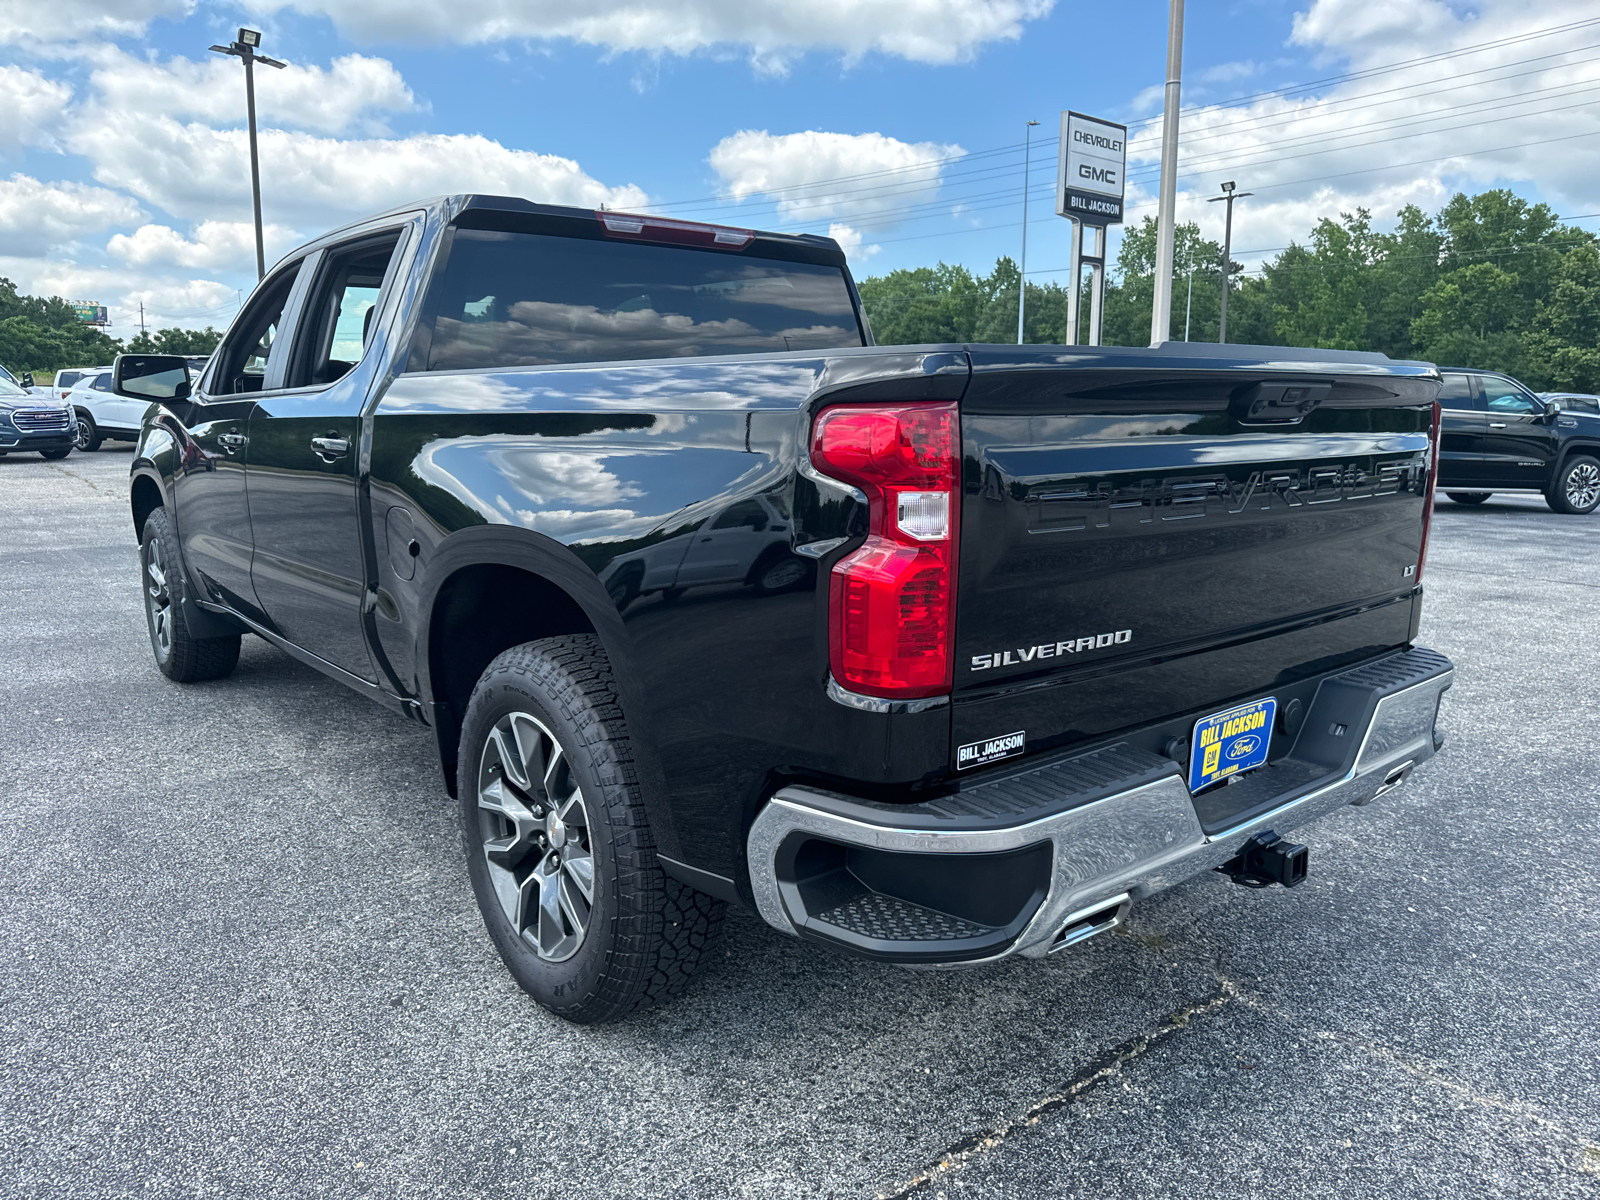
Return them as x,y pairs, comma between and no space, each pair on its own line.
102,383
528,299
1457,391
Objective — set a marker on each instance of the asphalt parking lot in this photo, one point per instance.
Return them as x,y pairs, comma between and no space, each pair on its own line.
241,957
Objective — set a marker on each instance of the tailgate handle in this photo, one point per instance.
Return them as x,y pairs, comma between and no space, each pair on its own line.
1278,403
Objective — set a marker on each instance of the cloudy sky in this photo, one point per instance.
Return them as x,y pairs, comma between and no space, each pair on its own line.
896,125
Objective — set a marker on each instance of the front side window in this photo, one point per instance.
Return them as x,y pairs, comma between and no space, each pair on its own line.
247,353
524,299
1504,396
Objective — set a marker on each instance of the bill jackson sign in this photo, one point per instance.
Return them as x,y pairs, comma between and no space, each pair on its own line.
1090,168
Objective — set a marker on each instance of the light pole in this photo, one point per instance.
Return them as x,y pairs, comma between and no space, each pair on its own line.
245,50
1167,213
1230,196
1022,269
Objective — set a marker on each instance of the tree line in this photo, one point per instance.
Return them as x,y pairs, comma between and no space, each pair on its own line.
44,336
1489,281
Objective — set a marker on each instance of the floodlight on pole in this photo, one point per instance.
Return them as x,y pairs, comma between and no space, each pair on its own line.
244,49
1230,196
1022,267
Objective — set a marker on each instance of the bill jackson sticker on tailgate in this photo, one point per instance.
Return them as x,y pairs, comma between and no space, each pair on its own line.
1230,743
976,754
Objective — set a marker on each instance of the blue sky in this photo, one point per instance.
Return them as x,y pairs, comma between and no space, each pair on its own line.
123,177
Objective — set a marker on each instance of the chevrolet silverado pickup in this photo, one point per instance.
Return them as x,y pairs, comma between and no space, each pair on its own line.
933,654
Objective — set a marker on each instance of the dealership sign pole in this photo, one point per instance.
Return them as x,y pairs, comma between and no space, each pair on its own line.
1090,166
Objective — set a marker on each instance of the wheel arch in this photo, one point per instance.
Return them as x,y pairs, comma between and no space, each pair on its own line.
491,587
1571,450
145,495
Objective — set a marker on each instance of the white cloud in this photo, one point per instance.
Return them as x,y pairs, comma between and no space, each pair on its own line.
30,107
850,242
1475,119
35,216
932,31
230,245
306,97
195,172
816,176
62,20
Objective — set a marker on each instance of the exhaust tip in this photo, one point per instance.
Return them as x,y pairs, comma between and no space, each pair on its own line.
1090,922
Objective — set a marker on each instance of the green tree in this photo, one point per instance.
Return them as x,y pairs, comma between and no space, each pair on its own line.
1563,346
1466,316
176,341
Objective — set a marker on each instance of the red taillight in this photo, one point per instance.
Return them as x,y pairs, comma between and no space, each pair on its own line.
1433,479
892,602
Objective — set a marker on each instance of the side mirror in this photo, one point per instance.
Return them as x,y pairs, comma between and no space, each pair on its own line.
150,376
1551,408
27,379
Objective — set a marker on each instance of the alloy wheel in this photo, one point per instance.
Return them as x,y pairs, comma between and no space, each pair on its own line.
536,836
1583,486
158,599
80,439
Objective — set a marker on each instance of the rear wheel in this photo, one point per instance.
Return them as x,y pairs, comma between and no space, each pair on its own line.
1469,497
559,849
180,656
88,435
1576,487
54,455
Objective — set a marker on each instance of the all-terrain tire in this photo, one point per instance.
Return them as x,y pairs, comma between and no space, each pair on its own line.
1469,497
1575,490
88,438
180,656
643,933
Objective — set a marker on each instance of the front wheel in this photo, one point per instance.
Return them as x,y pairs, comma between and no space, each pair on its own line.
1576,487
88,436
55,455
180,656
558,846
1469,497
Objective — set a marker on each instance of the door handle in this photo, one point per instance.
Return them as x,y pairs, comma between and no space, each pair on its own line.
231,441
1497,424
330,448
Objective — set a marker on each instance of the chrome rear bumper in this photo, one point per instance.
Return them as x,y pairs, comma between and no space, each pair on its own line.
830,868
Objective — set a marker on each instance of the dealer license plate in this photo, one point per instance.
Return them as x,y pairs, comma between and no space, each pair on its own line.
1231,742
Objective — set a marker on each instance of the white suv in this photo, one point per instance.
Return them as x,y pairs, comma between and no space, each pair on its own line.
102,414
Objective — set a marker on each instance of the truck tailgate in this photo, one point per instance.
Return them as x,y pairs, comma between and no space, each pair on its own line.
1147,534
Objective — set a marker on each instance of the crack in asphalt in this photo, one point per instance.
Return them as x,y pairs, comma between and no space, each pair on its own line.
71,474
1588,1152
1095,1073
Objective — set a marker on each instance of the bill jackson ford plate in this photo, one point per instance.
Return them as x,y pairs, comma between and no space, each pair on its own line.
1231,742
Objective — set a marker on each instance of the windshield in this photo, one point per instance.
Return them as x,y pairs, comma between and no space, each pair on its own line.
9,390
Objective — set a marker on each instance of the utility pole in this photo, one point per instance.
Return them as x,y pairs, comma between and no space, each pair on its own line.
1230,196
141,318
245,50
1161,309
1022,268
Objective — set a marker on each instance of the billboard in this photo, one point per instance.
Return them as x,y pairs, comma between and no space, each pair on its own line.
1089,169
90,313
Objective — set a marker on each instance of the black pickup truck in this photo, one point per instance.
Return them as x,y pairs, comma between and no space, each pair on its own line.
935,654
